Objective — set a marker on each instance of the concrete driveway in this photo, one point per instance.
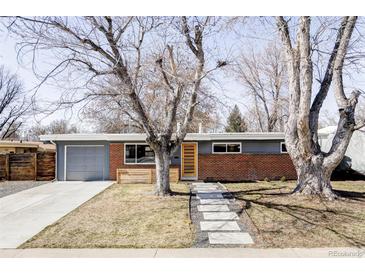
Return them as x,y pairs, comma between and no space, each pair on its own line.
26,213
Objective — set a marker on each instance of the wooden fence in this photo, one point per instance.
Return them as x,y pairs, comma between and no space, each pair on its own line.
39,166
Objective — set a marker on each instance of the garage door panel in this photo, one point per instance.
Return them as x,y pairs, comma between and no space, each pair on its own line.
85,163
83,176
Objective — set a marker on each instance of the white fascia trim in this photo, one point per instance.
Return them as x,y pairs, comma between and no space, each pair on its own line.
134,137
93,137
142,137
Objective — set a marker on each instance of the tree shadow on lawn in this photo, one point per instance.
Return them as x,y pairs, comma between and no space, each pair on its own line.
179,193
309,212
351,195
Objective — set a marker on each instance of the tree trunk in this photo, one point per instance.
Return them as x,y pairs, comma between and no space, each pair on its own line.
314,179
162,159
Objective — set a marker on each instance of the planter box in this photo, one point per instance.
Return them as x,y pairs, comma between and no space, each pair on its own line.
143,176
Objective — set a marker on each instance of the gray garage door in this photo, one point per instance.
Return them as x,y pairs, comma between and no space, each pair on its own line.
84,163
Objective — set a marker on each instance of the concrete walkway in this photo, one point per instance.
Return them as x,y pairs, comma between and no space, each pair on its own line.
26,213
215,217
186,253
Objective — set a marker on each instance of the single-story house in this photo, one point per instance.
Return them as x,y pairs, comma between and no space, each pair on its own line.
18,147
202,156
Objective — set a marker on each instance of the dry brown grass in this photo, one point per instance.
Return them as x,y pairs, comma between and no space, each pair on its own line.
284,220
123,216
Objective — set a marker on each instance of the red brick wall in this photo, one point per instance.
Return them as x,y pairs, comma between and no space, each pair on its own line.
116,160
239,167
223,167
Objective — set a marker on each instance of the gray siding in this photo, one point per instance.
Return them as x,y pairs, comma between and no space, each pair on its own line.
61,156
176,159
248,146
205,147
261,147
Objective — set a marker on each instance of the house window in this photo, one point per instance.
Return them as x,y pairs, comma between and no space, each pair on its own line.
139,154
283,147
227,148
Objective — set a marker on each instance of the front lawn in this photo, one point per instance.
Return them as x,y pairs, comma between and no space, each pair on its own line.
123,216
280,220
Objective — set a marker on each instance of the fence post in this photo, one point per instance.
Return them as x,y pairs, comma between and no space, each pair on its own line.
35,166
7,167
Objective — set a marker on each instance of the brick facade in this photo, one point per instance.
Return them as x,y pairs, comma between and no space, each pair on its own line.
239,167
222,167
116,160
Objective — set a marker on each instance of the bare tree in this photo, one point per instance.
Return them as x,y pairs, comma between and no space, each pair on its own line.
313,166
262,74
140,60
12,104
61,126
33,133
106,114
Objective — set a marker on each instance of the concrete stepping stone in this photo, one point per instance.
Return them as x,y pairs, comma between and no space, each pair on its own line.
214,202
209,196
229,238
205,187
207,191
205,184
220,216
211,191
212,208
219,226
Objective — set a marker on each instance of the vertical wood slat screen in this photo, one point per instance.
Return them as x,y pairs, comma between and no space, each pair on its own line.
189,160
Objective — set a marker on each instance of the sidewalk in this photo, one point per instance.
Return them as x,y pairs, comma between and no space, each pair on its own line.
186,253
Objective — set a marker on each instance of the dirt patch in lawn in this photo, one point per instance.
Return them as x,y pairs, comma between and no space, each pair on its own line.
123,216
281,220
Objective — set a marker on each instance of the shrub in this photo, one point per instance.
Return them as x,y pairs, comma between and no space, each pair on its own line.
266,179
283,179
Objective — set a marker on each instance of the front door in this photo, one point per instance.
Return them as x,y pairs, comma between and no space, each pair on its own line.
189,161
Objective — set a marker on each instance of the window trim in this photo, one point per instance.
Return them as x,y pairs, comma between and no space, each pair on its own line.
227,143
125,163
281,148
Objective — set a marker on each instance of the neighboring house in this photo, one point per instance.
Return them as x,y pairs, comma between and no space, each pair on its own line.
18,147
202,156
355,151
21,160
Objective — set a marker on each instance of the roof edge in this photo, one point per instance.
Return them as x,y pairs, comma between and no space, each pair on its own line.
142,137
